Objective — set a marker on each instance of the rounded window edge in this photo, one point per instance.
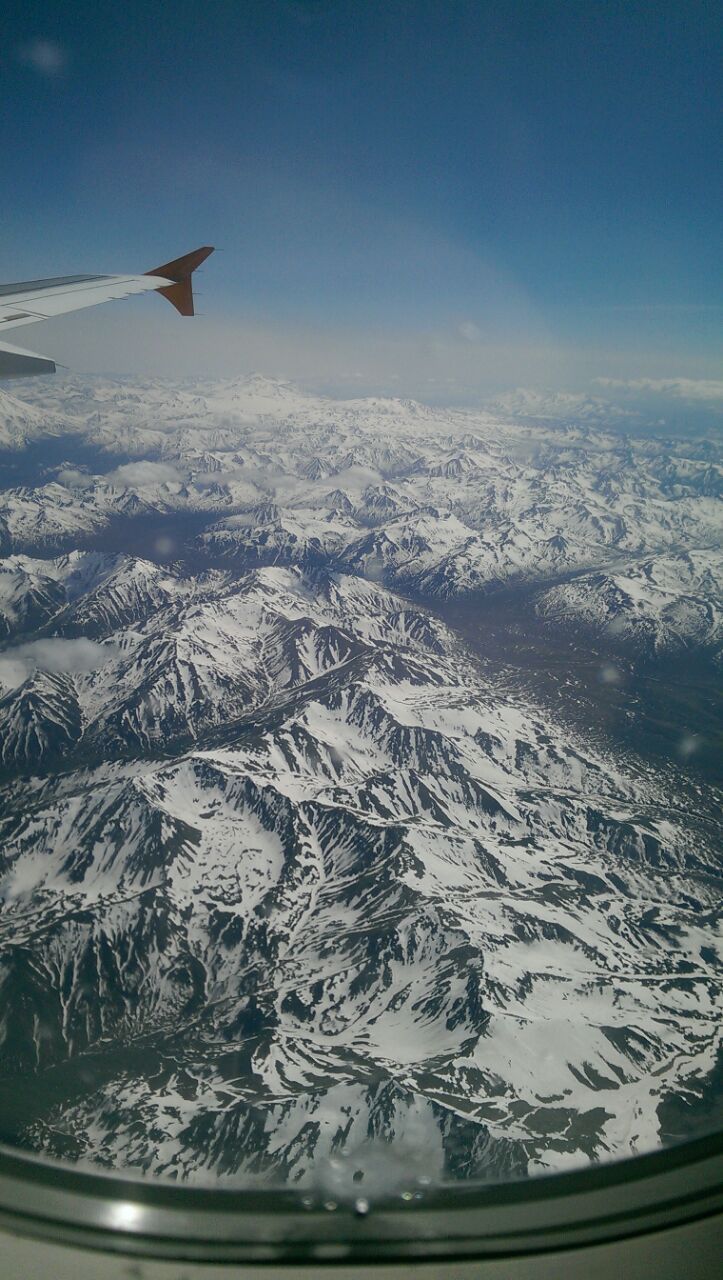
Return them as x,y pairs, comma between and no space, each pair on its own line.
50,1201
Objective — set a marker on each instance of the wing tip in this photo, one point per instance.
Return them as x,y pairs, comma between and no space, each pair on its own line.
179,290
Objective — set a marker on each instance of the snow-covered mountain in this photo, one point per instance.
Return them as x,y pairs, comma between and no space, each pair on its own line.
285,871
83,593
663,604
289,836
22,422
441,503
560,406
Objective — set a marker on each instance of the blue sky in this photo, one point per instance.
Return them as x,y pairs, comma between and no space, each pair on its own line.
408,194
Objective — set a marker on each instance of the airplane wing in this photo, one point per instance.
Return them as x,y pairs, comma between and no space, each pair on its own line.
29,301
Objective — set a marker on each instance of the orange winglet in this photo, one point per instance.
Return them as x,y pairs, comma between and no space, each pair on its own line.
180,292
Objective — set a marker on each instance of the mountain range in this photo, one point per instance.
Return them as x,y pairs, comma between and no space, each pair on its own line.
297,885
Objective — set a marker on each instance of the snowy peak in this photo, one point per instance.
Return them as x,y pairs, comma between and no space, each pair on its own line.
21,422
39,722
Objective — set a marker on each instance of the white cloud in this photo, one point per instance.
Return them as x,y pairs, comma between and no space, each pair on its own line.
131,475
47,57
137,475
470,331
73,479
12,672
354,479
55,655
235,475
708,390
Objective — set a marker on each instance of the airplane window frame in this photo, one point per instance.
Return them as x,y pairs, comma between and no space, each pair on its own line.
53,1202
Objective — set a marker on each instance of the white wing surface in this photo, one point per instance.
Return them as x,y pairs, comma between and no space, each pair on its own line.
29,301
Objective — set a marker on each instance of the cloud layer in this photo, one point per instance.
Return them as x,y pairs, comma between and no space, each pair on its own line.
54,655
139,475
